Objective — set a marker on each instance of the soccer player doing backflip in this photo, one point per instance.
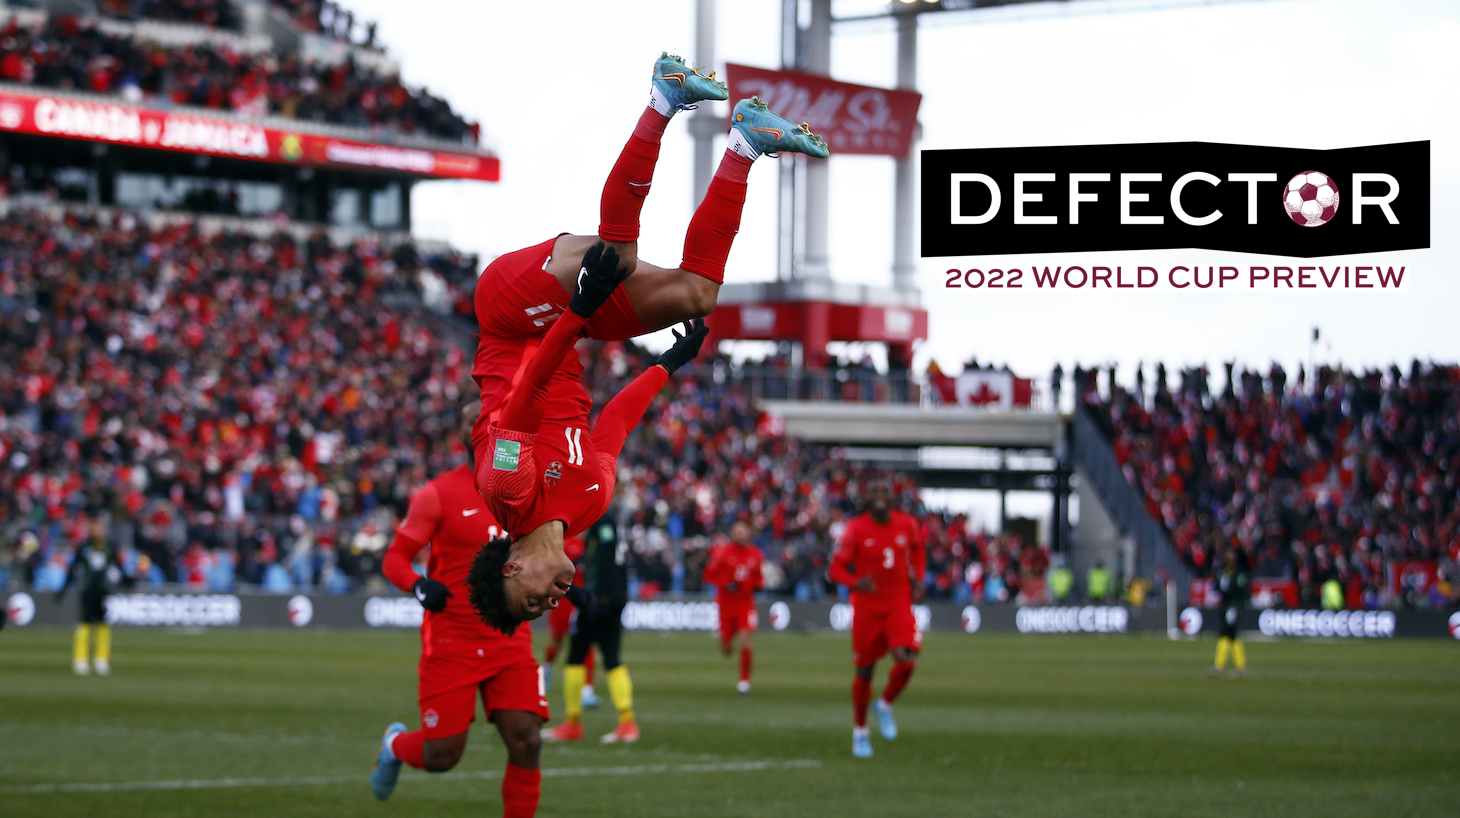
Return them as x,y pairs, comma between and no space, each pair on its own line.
734,570
541,469
881,558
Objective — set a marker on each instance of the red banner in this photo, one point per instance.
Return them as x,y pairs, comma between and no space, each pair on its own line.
845,322
123,124
852,118
1267,592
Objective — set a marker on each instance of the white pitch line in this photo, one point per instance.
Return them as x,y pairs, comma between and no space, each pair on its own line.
320,780
174,735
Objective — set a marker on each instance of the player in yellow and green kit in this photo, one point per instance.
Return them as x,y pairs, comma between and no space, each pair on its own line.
1234,585
96,569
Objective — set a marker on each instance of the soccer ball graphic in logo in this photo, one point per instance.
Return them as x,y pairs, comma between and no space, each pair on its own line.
1311,198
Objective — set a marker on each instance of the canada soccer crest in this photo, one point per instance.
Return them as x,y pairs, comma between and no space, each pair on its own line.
553,474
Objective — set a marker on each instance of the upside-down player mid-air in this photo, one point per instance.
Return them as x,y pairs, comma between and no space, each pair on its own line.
882,558
534,459
461,657
734,570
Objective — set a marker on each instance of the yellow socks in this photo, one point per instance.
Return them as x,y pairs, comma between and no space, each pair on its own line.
1224,645
622,691
103,642
1239,654
82,642
573,678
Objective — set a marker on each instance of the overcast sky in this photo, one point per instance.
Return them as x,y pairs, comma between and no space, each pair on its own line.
559,85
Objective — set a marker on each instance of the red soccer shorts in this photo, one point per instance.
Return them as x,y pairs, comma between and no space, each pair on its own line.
507,680
736,617
516,297
876,631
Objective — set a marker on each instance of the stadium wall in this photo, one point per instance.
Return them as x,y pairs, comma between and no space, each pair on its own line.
170,609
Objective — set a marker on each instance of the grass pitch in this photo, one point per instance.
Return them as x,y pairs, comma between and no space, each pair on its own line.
284,723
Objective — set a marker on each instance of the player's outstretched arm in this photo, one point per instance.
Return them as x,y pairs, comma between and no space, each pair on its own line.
686,346
422,517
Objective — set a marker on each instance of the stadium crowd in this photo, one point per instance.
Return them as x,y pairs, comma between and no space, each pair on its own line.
225,398
1338,476
259,410
251,410
68,52
209,13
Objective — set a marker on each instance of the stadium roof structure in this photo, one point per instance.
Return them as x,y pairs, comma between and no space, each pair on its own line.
123,148
277,140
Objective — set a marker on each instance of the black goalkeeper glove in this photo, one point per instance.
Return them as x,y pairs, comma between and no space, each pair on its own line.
431,594
597,279
582,599
686,346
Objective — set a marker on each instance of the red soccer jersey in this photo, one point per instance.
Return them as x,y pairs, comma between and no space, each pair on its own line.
515,305
448,514
735,564
890,554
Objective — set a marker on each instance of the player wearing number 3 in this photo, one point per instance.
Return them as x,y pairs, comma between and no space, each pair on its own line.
881,558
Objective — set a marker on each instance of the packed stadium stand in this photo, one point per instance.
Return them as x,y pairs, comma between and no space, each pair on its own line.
258,408
1340,475
217,332
66,52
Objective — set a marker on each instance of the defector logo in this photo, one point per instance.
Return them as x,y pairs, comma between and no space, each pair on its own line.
1165,195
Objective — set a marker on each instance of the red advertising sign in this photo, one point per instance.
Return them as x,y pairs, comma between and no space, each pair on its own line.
852,118
1418,575
1267,592
123,124
845,322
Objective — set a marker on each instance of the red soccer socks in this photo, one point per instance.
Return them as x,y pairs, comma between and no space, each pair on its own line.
408,748
861,698
628,183
897,680
521,790
717,220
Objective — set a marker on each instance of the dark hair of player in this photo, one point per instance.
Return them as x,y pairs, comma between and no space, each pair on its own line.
484,582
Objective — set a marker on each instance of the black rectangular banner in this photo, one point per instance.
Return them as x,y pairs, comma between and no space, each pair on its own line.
1162,195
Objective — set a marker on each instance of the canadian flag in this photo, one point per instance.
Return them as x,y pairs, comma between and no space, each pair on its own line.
993,389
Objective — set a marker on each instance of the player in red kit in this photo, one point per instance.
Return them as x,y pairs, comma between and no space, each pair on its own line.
535,464
521,293
545,479
881,558
461,658
734,569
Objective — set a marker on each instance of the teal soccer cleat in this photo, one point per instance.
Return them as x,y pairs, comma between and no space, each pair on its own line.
770,133
387,767
885,721
861,744
677,87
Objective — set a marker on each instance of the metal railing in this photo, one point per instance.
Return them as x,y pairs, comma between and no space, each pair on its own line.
837,384
1127,506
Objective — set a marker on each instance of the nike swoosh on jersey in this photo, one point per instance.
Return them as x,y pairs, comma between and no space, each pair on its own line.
467,512
593,487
